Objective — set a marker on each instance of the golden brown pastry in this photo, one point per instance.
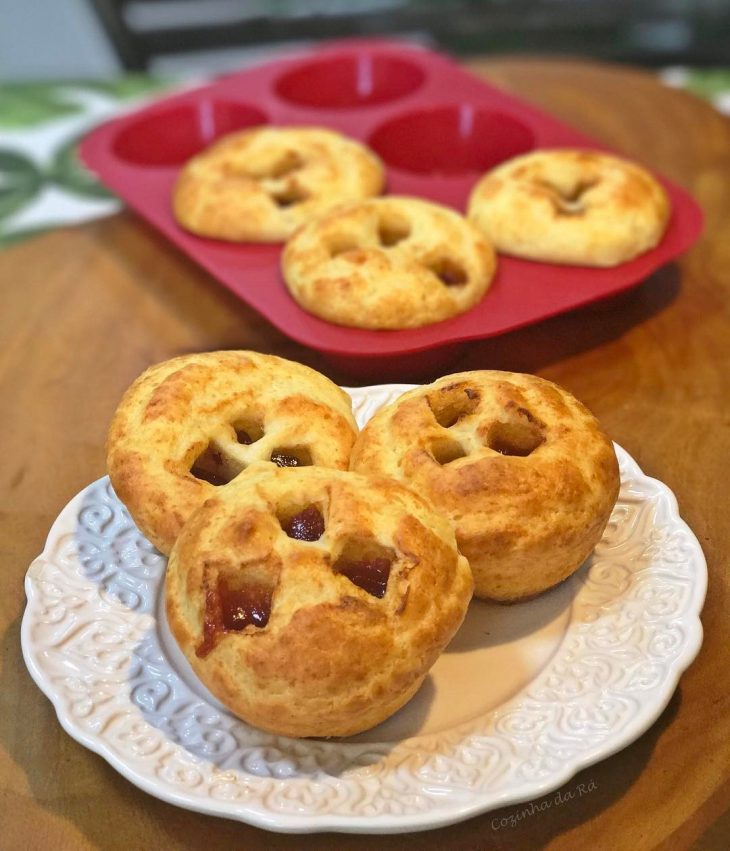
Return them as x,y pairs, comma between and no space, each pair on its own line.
259,185
577,207
388,263
518,464
313,602
189,425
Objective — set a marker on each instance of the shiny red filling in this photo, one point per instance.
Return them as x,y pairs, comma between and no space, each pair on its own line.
230,609
307,525
211,624
247,606
369,574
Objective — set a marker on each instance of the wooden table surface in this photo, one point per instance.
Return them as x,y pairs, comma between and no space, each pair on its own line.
86,309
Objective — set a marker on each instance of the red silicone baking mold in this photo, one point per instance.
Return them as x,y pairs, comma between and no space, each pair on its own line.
437,129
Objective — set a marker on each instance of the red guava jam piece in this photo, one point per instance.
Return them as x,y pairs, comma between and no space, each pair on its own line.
230,609
246,606
369,574
211,623
308,525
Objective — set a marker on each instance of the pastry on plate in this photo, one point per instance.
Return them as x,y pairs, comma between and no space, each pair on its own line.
388,263
313,602
260,185
517,463
578,207
188,426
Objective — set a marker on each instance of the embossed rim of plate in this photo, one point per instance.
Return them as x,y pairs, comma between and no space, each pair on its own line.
506,729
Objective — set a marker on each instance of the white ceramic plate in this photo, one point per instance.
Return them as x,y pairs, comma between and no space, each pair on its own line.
523,698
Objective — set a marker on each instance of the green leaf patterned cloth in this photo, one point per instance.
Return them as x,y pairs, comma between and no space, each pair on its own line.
30,104
42,181
20,180
43,184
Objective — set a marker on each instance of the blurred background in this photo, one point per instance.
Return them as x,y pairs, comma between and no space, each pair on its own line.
183,38
68,65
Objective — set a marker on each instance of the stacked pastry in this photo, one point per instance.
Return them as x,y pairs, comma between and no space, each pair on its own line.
316,573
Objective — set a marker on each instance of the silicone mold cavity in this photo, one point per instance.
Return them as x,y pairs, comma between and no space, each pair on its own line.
170,137
350,81
451,140
436,126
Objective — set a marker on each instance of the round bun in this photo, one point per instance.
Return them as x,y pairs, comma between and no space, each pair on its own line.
189,425
570,206
518,464
313,602
388,263
260,185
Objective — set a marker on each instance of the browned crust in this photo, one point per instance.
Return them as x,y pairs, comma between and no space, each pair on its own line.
174,409
343,268
571,206
333,660
234,189
524,522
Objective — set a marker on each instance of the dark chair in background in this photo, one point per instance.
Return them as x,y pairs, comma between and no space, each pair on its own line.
648,32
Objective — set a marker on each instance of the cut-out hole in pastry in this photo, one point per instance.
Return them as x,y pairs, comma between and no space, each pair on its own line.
306,524
289,196
452,403
234,601
569,202
342,244
366,564
515,438
449,272
214,467
392,230
292,456
445,450
248,430
289,161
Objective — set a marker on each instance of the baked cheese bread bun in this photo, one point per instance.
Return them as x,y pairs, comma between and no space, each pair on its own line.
188,426
313,602
521,468
577,207
388,263
260,185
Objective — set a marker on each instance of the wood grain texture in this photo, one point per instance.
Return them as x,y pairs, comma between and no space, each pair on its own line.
86,309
